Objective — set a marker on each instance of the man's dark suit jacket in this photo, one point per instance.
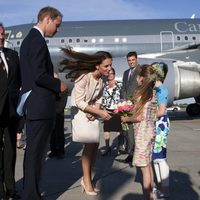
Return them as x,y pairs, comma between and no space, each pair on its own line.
11,92
37,75
129,85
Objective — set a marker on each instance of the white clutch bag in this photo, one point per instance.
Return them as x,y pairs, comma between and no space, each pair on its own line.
83,130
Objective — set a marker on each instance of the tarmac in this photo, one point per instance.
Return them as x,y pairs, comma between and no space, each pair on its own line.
117,180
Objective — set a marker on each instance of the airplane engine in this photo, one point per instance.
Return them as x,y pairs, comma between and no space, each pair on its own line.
187,84
182,81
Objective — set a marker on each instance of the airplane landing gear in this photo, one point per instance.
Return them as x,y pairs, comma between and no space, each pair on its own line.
193,109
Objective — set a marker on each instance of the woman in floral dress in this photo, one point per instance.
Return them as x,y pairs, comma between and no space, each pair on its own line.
111,96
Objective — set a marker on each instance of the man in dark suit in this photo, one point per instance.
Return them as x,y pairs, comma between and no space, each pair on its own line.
129,85
57,141
37,77
9,93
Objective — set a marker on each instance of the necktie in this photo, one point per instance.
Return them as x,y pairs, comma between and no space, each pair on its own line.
2,63
131,74
3,68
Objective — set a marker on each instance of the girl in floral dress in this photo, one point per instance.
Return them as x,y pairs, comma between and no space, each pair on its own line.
162,130
144,130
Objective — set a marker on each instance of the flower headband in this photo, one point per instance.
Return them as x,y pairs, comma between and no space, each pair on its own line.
159,72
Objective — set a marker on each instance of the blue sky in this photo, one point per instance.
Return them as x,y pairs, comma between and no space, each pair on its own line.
24,11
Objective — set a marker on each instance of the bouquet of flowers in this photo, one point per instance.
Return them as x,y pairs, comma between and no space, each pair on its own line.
124,108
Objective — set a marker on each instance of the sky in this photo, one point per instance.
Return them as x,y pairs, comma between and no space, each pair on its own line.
24,11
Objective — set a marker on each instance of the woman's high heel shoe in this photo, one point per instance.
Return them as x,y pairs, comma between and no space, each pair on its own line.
106,152
93,193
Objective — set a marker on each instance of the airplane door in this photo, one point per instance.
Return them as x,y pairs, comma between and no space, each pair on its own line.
166,40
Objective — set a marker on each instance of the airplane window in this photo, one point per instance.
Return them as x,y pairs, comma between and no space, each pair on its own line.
101,40
70,40
93,40
18,42
19,35
85,41
124,39
77,40
62,40
194,38
186,37
178,38
116,39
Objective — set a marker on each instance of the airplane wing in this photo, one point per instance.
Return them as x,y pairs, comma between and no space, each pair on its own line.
195,45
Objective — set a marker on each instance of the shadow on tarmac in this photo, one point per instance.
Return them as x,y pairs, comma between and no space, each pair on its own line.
62,177
181,187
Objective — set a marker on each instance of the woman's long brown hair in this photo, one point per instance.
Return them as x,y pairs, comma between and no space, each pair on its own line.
144,92
77,63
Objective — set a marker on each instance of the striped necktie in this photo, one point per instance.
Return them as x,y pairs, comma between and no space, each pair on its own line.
3,68
131,74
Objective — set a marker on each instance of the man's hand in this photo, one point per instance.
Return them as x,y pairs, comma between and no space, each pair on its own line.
63,86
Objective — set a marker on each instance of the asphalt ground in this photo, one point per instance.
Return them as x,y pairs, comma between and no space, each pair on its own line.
117,180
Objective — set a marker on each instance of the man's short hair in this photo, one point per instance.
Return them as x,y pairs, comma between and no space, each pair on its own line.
132,53
53,13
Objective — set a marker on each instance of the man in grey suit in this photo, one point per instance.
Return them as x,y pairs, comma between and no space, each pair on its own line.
40,110
129,85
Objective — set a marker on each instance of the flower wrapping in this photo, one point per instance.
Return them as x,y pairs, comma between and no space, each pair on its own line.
124,108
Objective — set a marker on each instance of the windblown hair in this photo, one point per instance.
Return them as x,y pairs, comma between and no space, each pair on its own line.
77,63
53,13
144,92
161,70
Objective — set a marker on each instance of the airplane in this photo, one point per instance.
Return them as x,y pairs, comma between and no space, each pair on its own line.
173,41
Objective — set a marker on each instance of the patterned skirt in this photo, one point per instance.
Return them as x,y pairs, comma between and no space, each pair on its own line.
162,131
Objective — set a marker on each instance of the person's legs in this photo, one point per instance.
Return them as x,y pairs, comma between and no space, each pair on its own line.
121,143
60,136
147,182
53,144
163,174
107,142
95,149
130,143
157,172
10,158
88,159
2,190
38,133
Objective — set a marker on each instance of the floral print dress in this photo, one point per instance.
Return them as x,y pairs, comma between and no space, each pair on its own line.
145,134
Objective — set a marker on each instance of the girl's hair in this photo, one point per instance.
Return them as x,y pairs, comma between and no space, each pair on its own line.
77,63
161,70
144,92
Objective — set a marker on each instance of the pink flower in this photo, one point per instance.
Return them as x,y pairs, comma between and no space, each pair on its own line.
124,108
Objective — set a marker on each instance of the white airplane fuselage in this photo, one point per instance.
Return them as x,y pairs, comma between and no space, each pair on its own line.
174,41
